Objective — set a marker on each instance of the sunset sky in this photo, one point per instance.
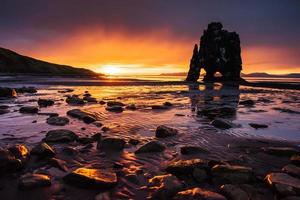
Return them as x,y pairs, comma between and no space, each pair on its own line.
149,36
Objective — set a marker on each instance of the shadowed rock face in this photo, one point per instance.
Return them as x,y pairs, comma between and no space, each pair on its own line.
219,52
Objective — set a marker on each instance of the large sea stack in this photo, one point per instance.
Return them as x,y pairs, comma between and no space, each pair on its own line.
219,51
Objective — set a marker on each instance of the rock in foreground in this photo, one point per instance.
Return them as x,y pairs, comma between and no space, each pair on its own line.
29,109
31,181
92,178
151,147
111,143
7,92
43,150
85,116
283,183
198,194
60,135
58,121
165,131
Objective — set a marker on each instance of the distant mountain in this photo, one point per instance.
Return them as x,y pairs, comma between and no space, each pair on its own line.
256,74
14,63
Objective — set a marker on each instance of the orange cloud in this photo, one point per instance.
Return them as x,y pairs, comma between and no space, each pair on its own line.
149,53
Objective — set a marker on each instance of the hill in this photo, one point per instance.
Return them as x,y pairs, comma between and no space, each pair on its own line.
14,63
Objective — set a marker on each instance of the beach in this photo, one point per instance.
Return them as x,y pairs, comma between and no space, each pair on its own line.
255,119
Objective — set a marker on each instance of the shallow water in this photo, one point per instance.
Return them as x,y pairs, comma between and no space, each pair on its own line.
141,124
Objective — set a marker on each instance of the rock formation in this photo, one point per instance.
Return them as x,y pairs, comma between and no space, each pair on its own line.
219,52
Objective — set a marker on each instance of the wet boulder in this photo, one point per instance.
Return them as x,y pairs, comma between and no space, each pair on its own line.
45,102
234,192
222,123
117,109
30,90
112,143
165,131
58,121
232,174
160,107
295,159
85,116
32,181
43,150
90,99
92,178
59,164
281,151
257,126
74,100
151,147
29,110
293,170
131,107
164,186
8,162
284,184
184,167
20,151
248,102
60,135
7,92
198,194
115,103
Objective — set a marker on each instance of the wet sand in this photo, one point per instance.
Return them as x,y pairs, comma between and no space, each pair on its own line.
242,144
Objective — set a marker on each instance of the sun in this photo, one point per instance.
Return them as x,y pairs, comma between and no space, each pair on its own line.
111,69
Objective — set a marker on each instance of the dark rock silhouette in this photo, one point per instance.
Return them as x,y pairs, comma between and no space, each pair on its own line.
219,52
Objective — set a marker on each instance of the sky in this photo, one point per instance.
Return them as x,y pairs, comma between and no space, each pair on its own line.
149,36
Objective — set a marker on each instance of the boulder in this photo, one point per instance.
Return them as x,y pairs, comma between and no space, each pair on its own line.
164,186
74,100
234,192
20,151
160,107
151,147
7,92
91,178
85,116
293,170
35,180
281,151
257,126
8,162
198,194
222,124
235,174
29,110
112,143
183,167
117,109
58,121
295,159
284,184
165,131
189,150
248,102
90,99
59,164
45,102
30,90
43,150
115,103
60,135
131,107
